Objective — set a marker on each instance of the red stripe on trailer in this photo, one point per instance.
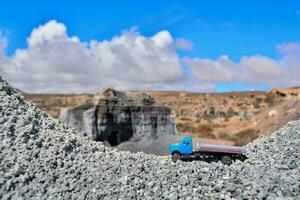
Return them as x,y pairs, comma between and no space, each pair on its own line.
219,150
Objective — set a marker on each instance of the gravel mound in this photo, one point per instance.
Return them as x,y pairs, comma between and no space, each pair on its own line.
40,158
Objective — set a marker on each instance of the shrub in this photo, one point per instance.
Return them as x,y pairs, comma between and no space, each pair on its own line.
198,120
224,136
184,119
245,136
184,127
204,130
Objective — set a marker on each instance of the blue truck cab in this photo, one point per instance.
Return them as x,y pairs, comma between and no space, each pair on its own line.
185,146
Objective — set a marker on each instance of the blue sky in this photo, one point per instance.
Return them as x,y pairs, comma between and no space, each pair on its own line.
233,28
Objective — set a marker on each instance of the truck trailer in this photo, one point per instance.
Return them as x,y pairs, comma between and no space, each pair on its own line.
207,152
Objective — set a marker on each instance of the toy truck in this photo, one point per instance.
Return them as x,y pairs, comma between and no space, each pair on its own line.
208,152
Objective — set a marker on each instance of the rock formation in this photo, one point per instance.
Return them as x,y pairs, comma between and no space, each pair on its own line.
116,117
227,116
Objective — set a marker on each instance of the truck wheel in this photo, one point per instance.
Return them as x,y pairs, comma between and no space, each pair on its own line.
226,160
242,158
175,157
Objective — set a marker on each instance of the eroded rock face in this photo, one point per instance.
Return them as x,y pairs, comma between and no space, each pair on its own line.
116,117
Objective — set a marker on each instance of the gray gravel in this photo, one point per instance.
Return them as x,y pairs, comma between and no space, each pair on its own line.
40,158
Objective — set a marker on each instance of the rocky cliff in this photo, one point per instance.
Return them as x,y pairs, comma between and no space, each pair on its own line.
129,120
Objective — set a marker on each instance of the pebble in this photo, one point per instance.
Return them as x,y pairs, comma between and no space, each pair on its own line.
40,158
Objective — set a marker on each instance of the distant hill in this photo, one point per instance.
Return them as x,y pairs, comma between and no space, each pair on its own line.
226,118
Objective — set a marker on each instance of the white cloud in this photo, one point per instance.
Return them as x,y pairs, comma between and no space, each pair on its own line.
162,38
256,69
290,53
46,33
182,43
261,69
210,71
3,45
139,60
56,62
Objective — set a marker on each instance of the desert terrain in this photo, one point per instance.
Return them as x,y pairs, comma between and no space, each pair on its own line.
232,118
